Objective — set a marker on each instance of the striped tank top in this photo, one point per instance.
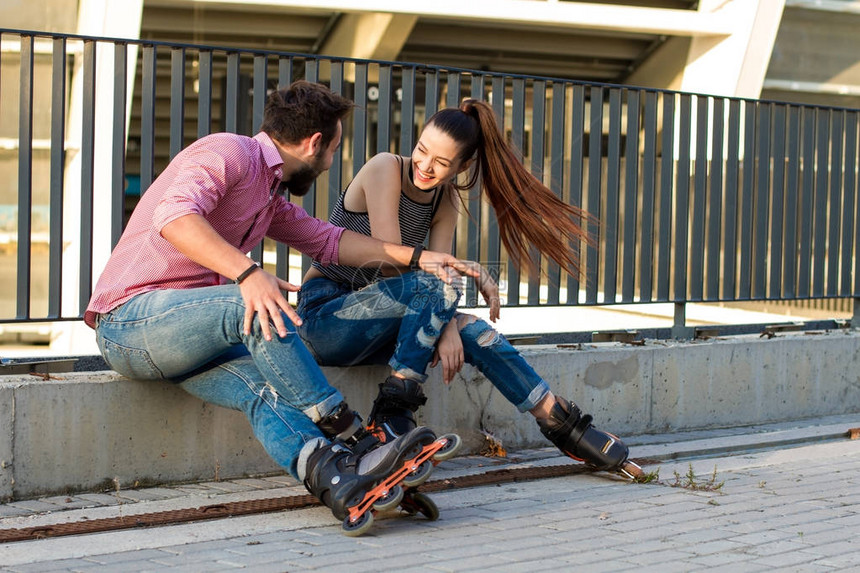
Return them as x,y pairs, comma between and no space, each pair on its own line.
415,219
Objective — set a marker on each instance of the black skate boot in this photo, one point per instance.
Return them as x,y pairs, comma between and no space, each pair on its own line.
393,415
355,486
576,437
393,412
346,425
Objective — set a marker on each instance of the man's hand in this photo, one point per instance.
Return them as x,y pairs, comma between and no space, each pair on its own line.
488,287
262,294
442,265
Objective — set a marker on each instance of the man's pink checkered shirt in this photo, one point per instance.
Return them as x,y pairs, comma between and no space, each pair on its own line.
229,180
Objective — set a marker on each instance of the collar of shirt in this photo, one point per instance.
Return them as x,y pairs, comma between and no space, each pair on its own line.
271,155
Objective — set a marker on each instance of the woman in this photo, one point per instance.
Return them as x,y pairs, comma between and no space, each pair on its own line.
403,199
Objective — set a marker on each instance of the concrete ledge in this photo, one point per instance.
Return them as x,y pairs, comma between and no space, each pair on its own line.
81,431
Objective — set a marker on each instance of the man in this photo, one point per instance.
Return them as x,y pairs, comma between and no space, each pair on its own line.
179,300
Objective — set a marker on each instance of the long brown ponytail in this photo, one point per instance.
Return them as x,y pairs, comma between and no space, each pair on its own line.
527,211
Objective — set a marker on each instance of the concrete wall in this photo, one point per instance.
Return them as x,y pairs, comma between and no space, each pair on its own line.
83,430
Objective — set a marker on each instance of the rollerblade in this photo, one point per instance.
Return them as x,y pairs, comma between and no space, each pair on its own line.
346,426
577,438
393,415
357,486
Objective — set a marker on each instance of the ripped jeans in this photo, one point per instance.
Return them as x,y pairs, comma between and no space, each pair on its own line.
194,338
396,320
491,353
376,324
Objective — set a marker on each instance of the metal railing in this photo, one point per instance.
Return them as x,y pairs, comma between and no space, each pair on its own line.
698,198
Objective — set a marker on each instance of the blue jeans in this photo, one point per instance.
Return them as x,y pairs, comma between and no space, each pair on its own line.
491,353
343,327
398,319
194,338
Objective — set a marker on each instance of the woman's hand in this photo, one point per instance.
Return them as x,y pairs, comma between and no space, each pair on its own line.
449,351
488,287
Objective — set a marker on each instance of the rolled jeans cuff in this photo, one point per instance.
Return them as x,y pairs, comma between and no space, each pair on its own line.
304,454
535,396
319,411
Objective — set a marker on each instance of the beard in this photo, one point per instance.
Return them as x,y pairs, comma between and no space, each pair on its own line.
303,179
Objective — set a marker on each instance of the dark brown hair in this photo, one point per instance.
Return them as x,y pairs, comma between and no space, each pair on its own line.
528,212
301,110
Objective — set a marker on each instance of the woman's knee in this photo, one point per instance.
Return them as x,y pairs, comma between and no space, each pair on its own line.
430,289
477,331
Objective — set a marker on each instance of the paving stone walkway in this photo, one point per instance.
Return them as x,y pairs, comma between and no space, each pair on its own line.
783,497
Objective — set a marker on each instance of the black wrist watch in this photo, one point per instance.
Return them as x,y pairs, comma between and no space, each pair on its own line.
247,272
416,254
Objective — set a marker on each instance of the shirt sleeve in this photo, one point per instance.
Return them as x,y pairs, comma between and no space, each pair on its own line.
202,174
316,238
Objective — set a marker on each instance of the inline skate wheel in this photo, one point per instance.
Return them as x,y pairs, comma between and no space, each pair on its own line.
631,470
391,500
357,527
426,506
450,449
419,476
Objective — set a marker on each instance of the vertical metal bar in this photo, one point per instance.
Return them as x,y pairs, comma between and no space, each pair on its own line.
359,119
518,118
820,208
595,163
856,247
309,201
25,175
649,182
494,256
407,111
285,71
383,131
58,140
682,199
746,203
120,93
147,118
667,173
537,156
777,202
761,203
577,152
807,200
204,93
473,230
679,323
260,84
260,87
88,128
613,189
556,178
849,192
335,172
177,100
282,251
631,193
231,103
730,234
700,189
431,93
452,98
837,133
312,70
789,253
715,200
